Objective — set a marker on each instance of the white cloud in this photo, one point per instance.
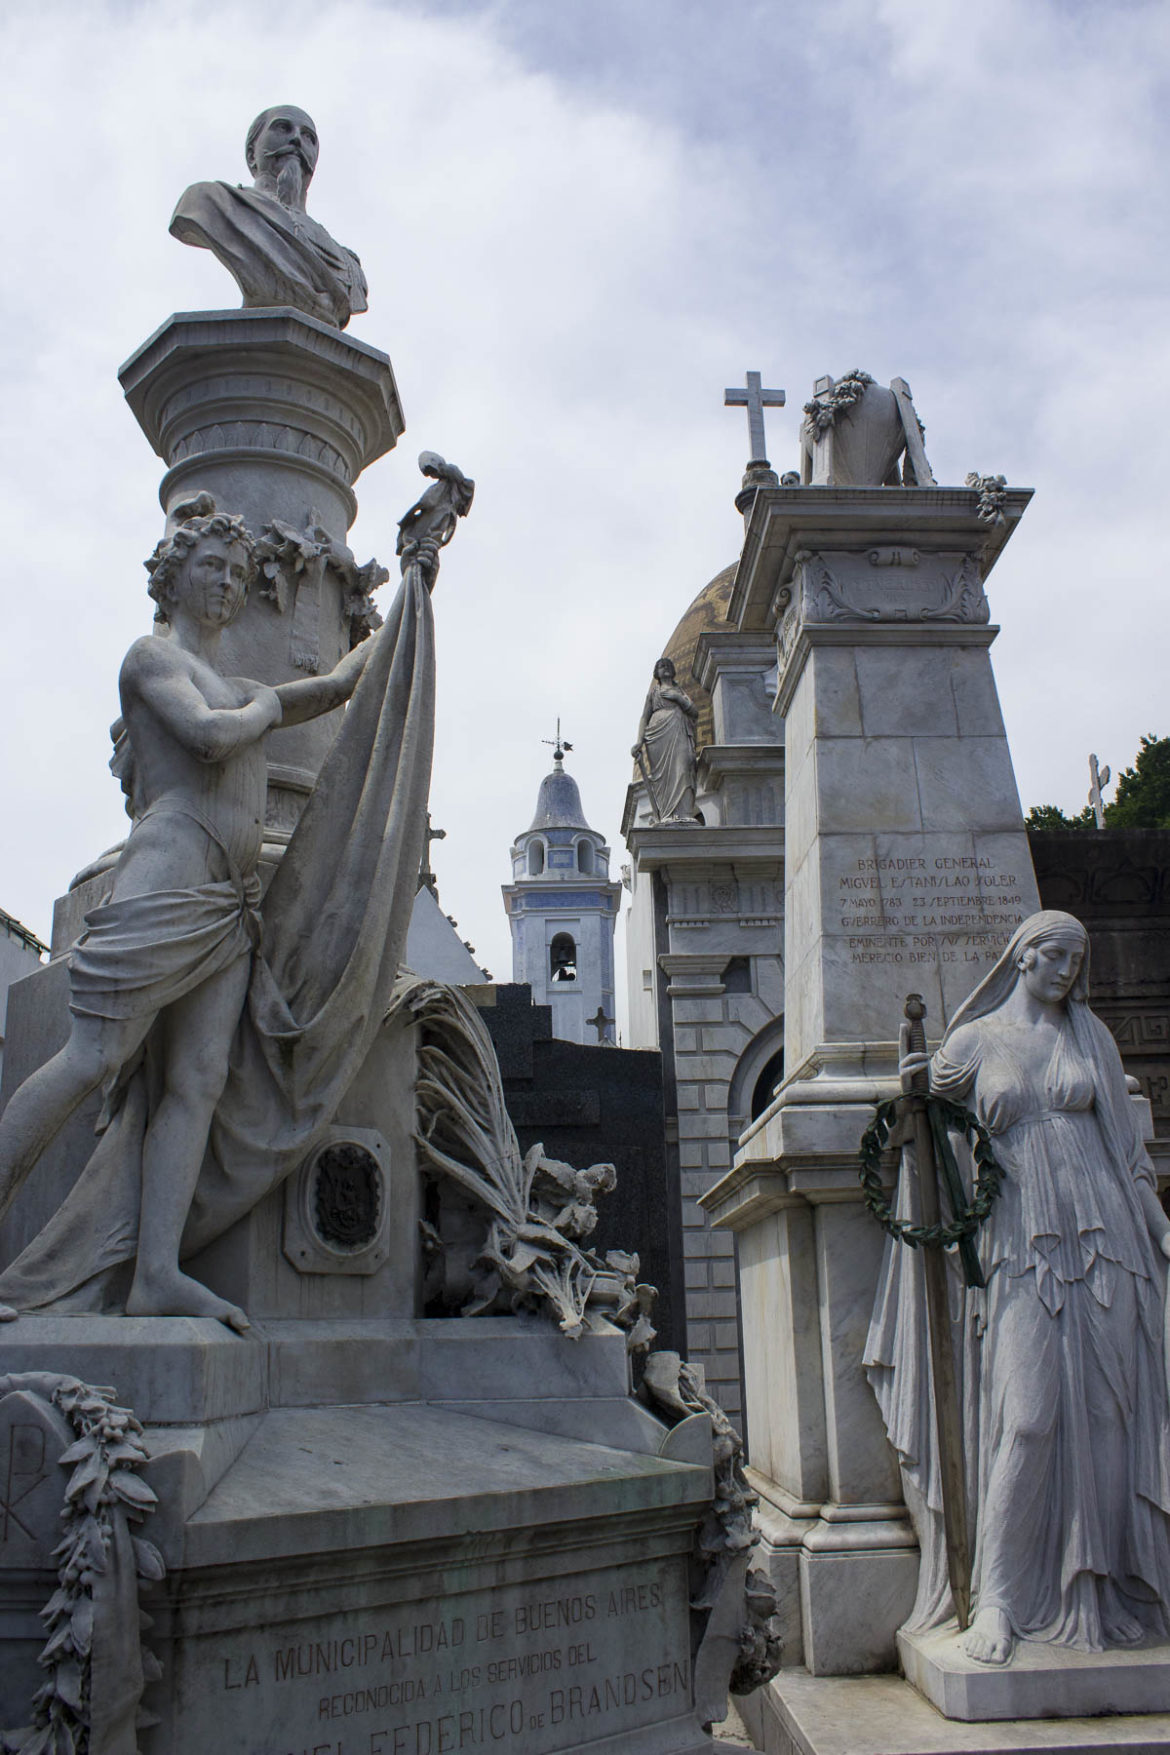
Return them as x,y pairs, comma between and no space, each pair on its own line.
579,223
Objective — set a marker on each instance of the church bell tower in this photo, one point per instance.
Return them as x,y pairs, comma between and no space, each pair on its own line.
562,909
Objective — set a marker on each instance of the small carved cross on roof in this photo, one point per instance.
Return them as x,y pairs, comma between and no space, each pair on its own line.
558,745
426,875
600,1022
755,400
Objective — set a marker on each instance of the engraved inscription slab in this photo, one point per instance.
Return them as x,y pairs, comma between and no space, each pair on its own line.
927,913
554,1665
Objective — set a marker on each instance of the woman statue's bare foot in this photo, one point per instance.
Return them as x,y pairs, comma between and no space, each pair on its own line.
7,1314
176,1294
1124,1629
989,1639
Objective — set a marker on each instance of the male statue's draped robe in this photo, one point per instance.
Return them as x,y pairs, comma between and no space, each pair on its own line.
332,933
276,254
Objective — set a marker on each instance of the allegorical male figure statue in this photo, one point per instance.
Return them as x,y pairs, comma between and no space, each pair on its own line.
263,235
222,1031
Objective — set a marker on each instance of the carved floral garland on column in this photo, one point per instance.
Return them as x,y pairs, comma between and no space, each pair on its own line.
76,1712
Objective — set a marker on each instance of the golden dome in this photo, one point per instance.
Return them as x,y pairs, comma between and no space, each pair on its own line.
709,610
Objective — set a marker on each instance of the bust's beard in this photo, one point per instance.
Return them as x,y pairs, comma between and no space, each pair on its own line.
291,182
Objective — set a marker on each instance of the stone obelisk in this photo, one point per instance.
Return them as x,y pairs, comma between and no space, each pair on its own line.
906,868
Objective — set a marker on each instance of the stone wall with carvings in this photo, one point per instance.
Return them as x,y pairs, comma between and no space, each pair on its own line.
1117,881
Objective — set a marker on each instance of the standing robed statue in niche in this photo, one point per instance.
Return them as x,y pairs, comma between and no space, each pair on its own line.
665,748
1061,1359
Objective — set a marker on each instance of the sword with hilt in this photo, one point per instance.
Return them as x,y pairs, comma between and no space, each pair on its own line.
947,1413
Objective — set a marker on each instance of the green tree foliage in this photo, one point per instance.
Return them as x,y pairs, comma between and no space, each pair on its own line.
1050,816
1142,799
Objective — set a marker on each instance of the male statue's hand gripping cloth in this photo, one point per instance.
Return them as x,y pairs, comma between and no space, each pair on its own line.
334,926
1061,1363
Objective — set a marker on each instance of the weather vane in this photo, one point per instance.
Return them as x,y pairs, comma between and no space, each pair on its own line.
558,744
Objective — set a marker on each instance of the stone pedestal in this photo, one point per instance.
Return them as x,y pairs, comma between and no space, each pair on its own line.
906,869
1042,1681
882,1715
275,415
378,1538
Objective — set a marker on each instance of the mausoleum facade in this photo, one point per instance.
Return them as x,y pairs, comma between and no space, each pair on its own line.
704,934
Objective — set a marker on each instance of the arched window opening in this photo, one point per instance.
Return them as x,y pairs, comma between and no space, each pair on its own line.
770,1075
562,957
585,857
535,858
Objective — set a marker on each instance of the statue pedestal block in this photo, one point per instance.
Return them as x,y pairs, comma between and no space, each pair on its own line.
380,1537
1042,1681
841,1552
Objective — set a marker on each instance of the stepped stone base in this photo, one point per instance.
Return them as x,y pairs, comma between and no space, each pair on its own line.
799,1714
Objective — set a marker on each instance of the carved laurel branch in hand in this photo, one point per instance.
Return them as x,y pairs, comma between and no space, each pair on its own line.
105,1485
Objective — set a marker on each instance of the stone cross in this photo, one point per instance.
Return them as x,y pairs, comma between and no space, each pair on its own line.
426,875
600,1022
755,400
558,744
1099,777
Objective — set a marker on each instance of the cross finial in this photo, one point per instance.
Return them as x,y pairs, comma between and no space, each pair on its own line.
558,744
755,400
426,876
600,1023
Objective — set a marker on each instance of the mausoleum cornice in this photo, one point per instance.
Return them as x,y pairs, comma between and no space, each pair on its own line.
694,848
785,521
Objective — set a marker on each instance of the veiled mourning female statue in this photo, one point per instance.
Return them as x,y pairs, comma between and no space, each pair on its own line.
1062,1357
666,747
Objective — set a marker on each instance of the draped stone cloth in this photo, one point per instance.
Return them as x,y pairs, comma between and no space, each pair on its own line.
277,255
669,739
332,932
1061,1361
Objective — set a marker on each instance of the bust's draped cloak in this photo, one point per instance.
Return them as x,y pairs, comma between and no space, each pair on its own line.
332,934
276,256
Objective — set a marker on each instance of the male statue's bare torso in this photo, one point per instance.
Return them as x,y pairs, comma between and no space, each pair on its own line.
176,792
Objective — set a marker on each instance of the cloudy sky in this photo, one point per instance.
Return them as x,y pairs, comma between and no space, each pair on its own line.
580,220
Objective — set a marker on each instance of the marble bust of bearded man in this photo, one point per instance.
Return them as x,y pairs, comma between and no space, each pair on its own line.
263,235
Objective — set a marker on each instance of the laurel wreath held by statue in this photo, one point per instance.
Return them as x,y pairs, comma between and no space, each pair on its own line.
968,1215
